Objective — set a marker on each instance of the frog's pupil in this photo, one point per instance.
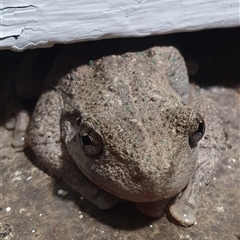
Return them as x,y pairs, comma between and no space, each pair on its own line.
86,140
201,127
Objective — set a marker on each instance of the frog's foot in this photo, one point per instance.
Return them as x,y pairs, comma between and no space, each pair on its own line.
77,181
185,205
20,126
153,209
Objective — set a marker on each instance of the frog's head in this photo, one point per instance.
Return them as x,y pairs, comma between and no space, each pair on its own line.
142,158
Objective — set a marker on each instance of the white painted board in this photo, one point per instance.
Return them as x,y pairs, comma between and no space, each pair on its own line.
33,23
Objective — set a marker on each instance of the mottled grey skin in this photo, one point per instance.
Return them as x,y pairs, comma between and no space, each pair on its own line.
119,127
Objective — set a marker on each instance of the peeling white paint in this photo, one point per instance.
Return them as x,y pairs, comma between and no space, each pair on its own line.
31,23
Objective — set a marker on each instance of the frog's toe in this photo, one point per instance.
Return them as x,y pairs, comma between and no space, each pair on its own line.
184,213
153,209
10,123
20,132
106,200
19,140
99,197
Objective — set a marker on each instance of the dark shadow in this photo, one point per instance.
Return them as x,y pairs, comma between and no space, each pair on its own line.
22,78
216,51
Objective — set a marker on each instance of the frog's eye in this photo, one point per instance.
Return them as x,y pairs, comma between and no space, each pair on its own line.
90,141
197,131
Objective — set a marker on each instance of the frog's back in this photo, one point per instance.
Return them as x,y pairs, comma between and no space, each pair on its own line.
95,83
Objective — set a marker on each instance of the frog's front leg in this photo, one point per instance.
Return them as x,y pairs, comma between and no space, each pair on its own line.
186,203
50,150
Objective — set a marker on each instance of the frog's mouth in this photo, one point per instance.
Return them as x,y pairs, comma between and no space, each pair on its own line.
137,192
133,184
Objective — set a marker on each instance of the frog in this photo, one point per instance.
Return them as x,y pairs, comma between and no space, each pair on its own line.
121,127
